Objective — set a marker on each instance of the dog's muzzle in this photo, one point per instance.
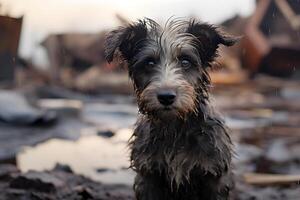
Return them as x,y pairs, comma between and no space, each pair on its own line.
166,97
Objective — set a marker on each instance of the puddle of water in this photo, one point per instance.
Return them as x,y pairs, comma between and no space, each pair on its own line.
92,152
84,156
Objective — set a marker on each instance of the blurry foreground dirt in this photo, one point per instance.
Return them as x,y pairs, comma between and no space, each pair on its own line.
263,114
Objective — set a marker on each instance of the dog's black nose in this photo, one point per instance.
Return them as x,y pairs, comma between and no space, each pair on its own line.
166,97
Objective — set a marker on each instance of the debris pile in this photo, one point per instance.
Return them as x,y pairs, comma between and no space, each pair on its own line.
82,97
265,120
58,184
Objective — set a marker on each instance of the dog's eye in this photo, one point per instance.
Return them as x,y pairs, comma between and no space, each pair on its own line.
185,63
150,62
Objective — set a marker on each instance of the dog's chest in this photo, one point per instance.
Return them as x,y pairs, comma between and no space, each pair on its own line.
175,157
179,152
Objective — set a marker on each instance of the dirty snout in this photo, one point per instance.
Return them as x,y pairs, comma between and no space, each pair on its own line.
166,97
173,100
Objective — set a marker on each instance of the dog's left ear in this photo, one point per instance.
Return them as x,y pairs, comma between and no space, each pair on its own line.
125,40
209,39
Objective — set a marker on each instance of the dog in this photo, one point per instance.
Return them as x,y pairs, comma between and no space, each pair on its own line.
180,148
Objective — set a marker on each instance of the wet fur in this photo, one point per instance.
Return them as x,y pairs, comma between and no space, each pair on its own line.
183,152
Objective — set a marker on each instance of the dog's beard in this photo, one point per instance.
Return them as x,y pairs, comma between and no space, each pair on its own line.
185,102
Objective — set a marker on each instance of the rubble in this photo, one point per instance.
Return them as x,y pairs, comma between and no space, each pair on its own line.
39,181
263,118
99,80
270,179
267,141
22,124
92,109
74,50
106,133
57,184
14,109
7,171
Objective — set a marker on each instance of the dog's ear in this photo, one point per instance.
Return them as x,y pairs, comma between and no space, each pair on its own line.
126,40
209,39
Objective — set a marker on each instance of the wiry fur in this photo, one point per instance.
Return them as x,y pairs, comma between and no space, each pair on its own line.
180,151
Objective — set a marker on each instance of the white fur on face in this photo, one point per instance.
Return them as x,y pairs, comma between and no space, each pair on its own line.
168,46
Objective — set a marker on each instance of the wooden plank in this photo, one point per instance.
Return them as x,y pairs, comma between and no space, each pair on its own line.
270,179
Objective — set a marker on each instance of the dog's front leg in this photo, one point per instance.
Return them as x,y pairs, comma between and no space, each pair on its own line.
149,187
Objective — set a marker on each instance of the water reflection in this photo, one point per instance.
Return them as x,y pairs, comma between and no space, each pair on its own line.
84,156
107,159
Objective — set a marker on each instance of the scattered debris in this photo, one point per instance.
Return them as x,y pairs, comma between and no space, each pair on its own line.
57,184
14,109
38,181
101,170
66,107
74,50
61,167
99,80
89,99
7,171
271,179
106,133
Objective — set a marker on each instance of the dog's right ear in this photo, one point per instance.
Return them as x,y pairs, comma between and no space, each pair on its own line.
126,40
209,38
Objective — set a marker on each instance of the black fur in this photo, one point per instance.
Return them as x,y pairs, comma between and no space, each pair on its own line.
209,39
184,155
126,39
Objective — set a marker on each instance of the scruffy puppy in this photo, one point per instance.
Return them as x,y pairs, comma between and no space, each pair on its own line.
180,148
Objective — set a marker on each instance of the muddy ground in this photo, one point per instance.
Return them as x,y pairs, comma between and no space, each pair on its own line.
263,114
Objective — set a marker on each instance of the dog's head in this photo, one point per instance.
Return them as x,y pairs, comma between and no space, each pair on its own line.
167,64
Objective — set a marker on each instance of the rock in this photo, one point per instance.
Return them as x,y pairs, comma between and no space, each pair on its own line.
39,181
106,133
57,184
84,192
21,113
101,170
7,170
64,168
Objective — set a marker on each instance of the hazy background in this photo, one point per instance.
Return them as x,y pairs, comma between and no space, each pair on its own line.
62,103
44,17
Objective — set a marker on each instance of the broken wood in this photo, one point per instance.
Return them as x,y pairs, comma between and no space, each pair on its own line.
270,179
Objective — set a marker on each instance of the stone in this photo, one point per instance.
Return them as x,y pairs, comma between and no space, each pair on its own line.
39,181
